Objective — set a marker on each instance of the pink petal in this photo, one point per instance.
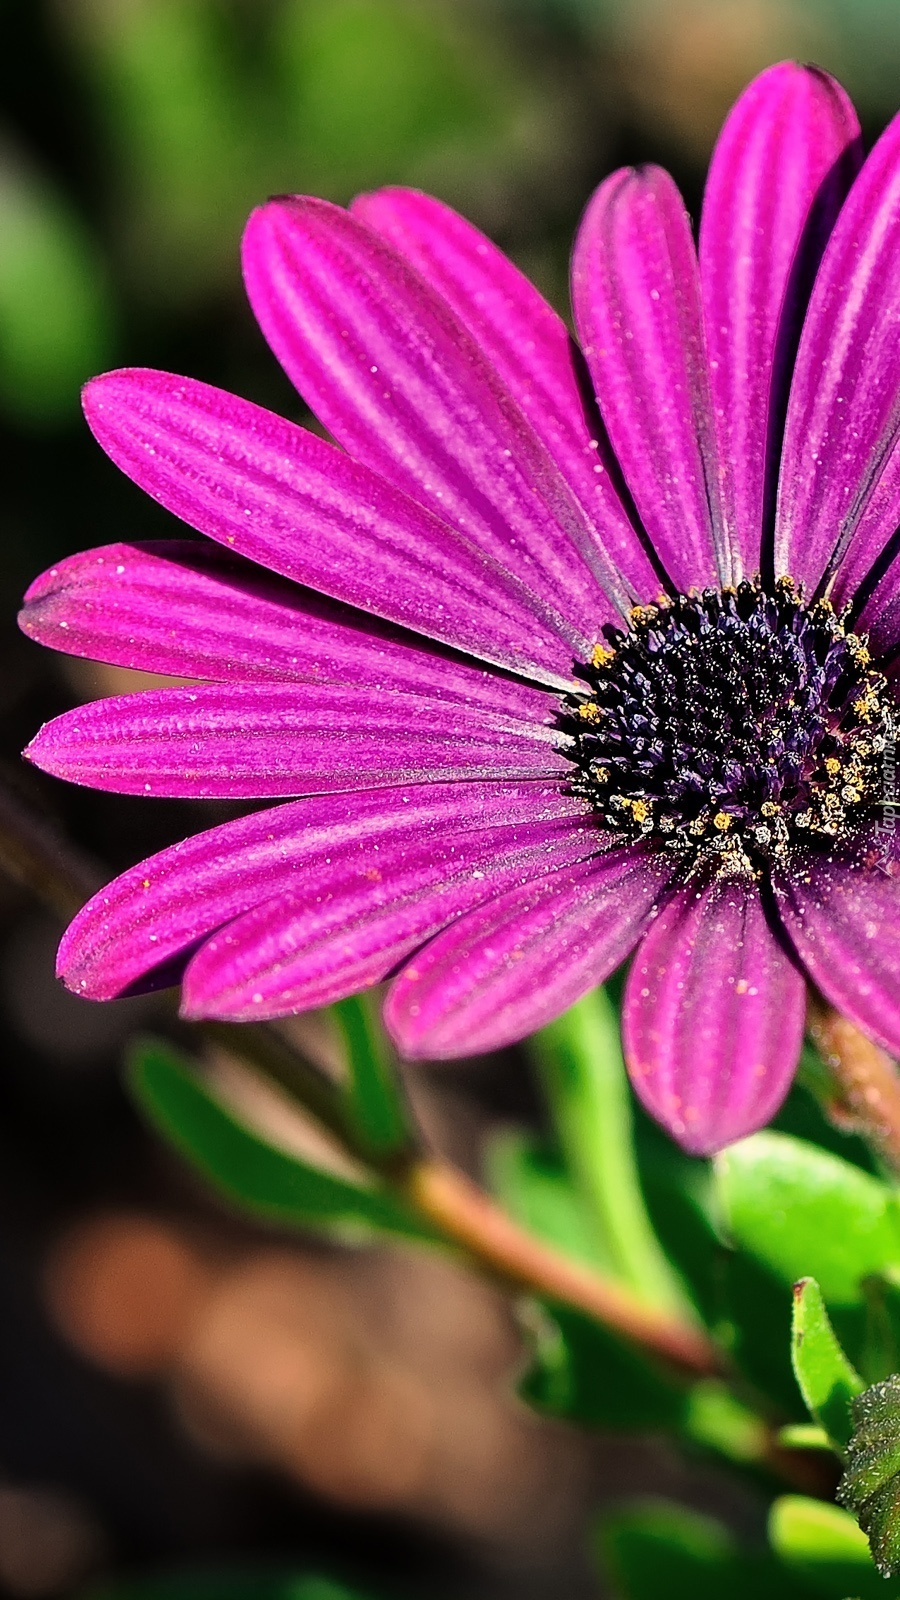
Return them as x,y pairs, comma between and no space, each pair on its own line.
636,294
270,491
268,740
526,955
713,1017
345,928
878,611
133,931
843,917
195,611
531,350
401,384
784,160
844,410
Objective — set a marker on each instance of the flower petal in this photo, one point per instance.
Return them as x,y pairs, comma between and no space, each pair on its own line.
785,158
194,611
133,932
636,295
268,740
530,348
526,955
275,493
400,383
842,917
343,929
713,1017
878,613
844,409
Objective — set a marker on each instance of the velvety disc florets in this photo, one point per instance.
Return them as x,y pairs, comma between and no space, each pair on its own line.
730,725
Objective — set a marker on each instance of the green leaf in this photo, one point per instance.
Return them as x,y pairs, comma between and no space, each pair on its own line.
803,1436
259,1179
376,1097
717,1420
660,1551
580,1371
870,1486
825,1377
823,1545
801,1211
579,1057
534,1188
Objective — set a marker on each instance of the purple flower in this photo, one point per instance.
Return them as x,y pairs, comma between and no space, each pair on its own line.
547,686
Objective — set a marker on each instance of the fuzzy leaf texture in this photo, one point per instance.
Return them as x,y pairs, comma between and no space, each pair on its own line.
870,1486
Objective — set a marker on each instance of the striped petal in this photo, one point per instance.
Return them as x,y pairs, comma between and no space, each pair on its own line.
400,383
191,610
636,295
282,497
781,169
842,917
138,931
343,930
843,416
713,1017
532,351
268,740
525,956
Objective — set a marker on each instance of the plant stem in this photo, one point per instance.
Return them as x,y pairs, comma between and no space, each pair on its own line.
464,1214
865,1080
579,1058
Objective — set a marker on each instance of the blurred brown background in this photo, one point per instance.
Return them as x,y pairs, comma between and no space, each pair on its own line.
176,1387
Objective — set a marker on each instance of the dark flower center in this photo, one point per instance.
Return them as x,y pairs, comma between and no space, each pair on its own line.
731,725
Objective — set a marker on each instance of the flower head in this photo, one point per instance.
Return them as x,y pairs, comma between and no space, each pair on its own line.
556,652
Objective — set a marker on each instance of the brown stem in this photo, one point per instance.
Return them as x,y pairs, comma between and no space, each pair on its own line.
865,1080
464,1214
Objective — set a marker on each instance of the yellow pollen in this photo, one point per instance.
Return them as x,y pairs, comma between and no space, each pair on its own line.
770,808
832,766
601,656
600,774
640,810
590,711
867,704
722,821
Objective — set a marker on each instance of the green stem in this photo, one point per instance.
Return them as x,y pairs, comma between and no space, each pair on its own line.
583,1075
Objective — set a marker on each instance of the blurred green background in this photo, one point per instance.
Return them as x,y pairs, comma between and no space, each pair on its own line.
135,136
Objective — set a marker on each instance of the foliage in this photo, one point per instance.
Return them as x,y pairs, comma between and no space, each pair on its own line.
730,1258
